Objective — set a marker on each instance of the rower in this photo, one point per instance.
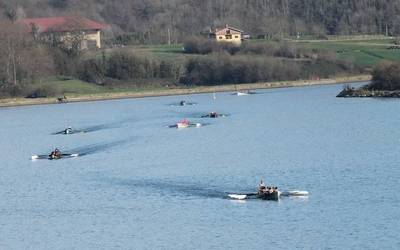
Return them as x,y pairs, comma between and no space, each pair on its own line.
213,114
261,187
68,130
55,154
182,103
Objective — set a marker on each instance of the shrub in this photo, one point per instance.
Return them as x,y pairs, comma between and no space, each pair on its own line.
198,46
386,76
267,49
92,70
127,67
214,70
48,90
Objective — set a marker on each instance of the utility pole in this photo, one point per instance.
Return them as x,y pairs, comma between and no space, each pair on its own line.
386,29
169,36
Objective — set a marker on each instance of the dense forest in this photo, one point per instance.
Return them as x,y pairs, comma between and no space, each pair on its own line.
164,21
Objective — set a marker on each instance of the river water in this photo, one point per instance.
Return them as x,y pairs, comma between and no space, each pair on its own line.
142,185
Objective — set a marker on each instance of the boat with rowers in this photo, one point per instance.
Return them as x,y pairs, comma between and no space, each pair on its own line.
54,155
69,131
185,124
267,192
213,115
182,104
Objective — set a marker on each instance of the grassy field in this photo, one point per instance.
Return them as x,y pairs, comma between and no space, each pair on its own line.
364,53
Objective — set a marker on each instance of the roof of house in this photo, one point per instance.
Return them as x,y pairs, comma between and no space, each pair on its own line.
63,24
223,31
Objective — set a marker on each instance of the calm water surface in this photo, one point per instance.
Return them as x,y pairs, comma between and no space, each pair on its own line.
141,185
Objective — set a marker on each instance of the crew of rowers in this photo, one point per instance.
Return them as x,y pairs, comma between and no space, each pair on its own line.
212,115
56,154
262,189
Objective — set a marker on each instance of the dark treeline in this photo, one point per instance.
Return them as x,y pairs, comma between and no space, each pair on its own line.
217,69
171,21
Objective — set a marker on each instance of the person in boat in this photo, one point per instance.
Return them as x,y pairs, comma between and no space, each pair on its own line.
68,130
261,187
213,114
182,103
55,154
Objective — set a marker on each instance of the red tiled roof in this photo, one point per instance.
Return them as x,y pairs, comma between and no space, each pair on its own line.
223,31
63,24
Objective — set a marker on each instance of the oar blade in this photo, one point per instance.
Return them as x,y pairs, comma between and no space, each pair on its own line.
237,196
295,193
38,157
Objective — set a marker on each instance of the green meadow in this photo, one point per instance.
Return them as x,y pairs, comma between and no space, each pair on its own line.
364,53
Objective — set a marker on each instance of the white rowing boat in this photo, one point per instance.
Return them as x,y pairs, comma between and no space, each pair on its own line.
47,157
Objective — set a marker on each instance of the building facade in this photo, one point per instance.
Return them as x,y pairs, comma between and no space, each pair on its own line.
227,34
67,30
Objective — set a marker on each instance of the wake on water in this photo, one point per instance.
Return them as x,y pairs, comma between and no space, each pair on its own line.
183,189
168,188
88,149
99,147
99,127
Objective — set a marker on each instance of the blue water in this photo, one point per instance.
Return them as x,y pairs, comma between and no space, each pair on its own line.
142,185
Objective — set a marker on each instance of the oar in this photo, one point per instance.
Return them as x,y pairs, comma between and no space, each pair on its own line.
37,157
69,155
241,196
295,193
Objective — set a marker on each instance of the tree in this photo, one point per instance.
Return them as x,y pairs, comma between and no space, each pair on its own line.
21,59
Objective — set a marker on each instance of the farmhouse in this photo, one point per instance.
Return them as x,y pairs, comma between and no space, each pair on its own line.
67,30
227,34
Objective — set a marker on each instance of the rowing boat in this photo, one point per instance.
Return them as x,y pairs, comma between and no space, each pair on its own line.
274,196
186,124
48,157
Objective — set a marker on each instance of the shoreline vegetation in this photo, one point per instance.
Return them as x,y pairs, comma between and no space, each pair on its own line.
385,83
168,49
20,101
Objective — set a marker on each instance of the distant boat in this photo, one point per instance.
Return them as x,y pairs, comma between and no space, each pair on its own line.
214,96
241,93
185,124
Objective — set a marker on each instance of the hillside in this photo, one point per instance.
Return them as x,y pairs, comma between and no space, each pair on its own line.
162,21
143,48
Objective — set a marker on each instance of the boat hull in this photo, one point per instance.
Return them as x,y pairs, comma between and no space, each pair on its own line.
182,125
269,196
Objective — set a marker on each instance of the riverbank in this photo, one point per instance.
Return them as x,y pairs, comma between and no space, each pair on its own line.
10,102
351,92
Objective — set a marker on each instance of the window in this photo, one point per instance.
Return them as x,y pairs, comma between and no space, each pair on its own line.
220,37
228,36
236,36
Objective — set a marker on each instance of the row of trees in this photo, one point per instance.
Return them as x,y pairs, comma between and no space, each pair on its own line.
22,59
217,69
205,46
128,68
171,21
